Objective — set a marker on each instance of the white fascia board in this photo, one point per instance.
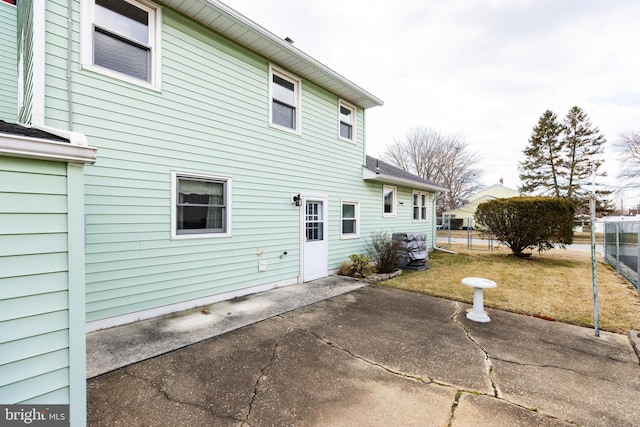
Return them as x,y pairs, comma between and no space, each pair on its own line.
369,175
43,149
249,34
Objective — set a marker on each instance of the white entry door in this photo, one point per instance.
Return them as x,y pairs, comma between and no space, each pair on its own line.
314,239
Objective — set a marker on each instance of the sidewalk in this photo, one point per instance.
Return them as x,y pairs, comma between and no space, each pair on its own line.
369,357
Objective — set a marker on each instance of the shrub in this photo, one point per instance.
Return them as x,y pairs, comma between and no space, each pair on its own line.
361,265
524,223
384,252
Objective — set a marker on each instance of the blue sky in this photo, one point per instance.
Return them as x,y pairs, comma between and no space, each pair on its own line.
485,69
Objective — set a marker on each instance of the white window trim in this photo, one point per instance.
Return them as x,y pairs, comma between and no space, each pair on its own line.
155,37
174,199
426,206
355,235
345,104
298,97
393,212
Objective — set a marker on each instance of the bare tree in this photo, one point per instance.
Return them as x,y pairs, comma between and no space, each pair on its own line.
628,146
443,159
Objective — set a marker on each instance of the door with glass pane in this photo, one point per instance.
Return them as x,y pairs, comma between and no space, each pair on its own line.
314,246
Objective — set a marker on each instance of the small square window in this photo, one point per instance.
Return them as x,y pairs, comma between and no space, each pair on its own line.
389,201
200,205
350,219
285,101
347,121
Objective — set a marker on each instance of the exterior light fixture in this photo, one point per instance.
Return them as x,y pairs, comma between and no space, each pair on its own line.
297,200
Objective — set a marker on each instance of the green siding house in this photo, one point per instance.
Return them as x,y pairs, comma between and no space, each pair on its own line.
208,159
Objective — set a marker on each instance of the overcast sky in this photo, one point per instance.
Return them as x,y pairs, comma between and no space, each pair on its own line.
486,69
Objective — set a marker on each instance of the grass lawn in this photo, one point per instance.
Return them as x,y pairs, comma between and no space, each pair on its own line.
555,285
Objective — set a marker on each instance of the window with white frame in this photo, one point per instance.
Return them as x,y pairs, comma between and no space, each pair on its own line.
201,205
350,219
122,39
420,206
389,201
285,101
347,115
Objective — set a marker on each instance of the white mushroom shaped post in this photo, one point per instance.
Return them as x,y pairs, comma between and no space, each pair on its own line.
477,314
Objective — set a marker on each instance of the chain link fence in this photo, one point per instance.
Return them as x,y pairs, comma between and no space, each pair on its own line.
621,249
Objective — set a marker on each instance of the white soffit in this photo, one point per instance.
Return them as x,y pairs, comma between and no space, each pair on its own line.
224,20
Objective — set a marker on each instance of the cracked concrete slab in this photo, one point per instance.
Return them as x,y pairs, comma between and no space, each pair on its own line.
568,394
311,382
563,370
113,348
403,333
378,356
215,380
477,410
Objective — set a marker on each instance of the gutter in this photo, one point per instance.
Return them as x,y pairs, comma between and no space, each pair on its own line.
43,149
369,175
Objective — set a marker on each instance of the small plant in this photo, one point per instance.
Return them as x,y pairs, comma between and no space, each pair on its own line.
361,265
384,252
346,269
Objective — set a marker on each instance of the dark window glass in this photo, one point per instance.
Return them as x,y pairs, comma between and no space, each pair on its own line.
201,206
119,55
121,38
388,200
346,124
283,109
346,130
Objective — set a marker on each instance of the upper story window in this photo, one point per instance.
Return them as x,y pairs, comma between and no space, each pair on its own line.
389,201
419,206
201,205
122,39
285,101
347,115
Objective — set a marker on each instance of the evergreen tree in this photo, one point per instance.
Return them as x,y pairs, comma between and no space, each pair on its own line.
561,158
542,172
584,151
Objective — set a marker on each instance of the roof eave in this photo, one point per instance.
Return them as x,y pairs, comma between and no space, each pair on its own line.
224,20
43,149
372,176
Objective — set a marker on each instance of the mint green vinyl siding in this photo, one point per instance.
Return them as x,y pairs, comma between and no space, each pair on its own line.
210,117
34,294
8,63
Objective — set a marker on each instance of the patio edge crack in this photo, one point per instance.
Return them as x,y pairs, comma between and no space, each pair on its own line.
256,386
487,357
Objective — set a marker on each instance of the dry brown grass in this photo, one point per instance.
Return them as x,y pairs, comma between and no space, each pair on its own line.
556,284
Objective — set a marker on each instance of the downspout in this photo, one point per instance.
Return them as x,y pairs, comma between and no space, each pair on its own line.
69,53
364,137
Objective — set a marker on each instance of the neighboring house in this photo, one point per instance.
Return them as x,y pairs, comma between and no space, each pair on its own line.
228,162
463,216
